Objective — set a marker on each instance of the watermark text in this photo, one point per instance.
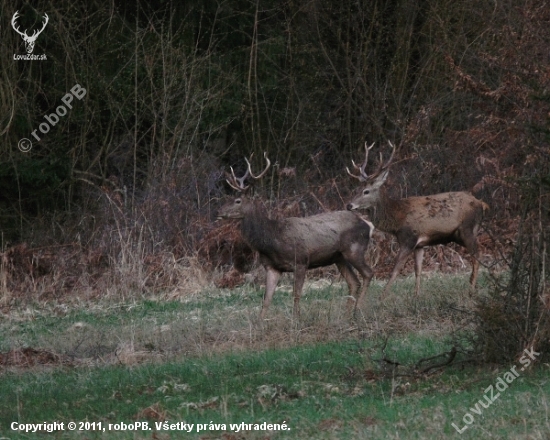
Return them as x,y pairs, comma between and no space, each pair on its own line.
491,395
52,119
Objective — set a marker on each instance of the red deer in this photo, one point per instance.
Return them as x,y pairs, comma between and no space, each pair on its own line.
296,244
417,222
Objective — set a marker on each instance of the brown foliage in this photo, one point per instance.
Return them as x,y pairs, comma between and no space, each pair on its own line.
30,357
509,102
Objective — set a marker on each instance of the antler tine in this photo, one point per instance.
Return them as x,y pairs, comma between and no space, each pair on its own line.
259,176
381,165
390,160
362,176
237,183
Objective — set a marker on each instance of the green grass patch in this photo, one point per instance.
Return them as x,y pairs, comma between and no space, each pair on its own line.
328,390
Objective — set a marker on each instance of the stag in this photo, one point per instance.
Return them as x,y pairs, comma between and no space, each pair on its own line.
297,244
418,222
28,39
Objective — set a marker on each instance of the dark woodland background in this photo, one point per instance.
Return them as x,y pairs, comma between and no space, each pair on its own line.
129,181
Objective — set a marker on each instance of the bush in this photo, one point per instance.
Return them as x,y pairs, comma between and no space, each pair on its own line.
516,315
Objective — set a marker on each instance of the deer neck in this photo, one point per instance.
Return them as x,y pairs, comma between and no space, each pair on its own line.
257,228
387,212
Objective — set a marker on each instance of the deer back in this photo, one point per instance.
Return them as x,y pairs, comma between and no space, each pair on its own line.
442,213
326,232
313,241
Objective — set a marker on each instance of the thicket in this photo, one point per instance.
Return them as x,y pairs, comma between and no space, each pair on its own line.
178,92
513,115
130,179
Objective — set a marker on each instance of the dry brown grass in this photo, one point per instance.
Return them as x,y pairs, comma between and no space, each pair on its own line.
32,275
214,321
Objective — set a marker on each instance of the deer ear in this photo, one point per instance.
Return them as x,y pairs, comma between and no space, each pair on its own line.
380,179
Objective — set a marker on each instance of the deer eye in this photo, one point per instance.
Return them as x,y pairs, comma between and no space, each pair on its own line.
238,201
365,192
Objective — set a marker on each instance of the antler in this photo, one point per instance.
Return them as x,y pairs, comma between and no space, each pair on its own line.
237,183
13,25
389,161
35,33
259,176
362,176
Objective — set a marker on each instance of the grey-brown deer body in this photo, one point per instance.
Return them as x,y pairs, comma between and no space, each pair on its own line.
297,244
422,221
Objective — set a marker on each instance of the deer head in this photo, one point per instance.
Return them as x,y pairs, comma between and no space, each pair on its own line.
28,39
240,206
370,194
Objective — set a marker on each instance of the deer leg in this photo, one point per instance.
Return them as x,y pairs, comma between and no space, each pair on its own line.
299,278
475,269
470,243
272,279
418,257
367,274
351,280
357,260
404,252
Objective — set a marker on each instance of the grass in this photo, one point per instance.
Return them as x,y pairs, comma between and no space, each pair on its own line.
207,360
218,320
320,391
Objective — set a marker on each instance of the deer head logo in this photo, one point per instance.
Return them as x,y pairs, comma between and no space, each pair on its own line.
28,39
